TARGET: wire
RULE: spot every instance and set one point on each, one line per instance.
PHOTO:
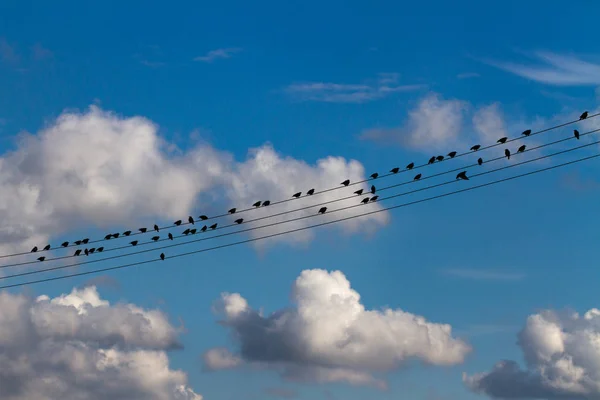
(320, 192)
(303, 228)
(291, 220)
(332, 201)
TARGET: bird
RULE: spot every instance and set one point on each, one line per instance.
(193, 231)
(431, 160)
(502, 140)
(34, 249)
(365, 200)
(170, 236)
(476, 147)
(410, 166)
(507, 153)
(156, 228)
(213, 226)
(374, 175)
(42, 258)
(374, 198)
(583, 116)
(186, 232)
(373, 189)
(65, 244)
(85, 241)
(127, 233)
(77, 252)
(462, 175)
(178, 222)
(322, 210)
(417, 177)
(134, 243)
(480, 161)
(266, 203)
(162, 256)
(239, 220)
(203, 217)
(116, 235)
(100, 249)
(310, 192)
(521, 149)
(92, 250)
(87, 252)
(452, 154)
(143, 230)
(296, 195)
(576, 133)
(440, 158)
(232, 211)
(155, 238)
(527, 132)
(47, 247)
(359, 192)
(346, 182)
(191, 220)
(395, 170)
(78, 242)
(204, 228)
(257, 204)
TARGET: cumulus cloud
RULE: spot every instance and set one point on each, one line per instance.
(561, 357)
(489, 122)
(78, 346)
(97, 168)
(329, 336)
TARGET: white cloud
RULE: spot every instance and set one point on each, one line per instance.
(329, 336)
(561, 354)
(78, 346)
(479, 274)
(488, 121)
(218, 54)
(557, 69)
(466, 75)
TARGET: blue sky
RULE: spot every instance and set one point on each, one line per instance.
(310, 80)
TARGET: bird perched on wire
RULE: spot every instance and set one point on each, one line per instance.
(527, 132)
(462, 175)
(296, 195)
(576, 133)
(440, 158)
(34, 249)
(170, 236)
(365, 200)
(417, 177)
(257, 204)
(507, 153)
(374, 198)
(583, 116)
(266, 203)
(65, 244)
(203, 217)
(480, 161)
(77, 252)
(47, 247)
(310, 192)
(521, 149)
(359, 192)
(156, 228)
(127, 233)
(374, 175)
(373, 189)
(502, 140)
(239, 220)
(322, 210)
(232, 211)
(42, 258)
(395, 170)
(213, 226)
(191, 220)
(186, 232)
(476, 147)
(410, 166)
(431, 160)
(155, 238)
(346, 182)
(134, 243)
(143, 230)
(452, 154)
(162, 256)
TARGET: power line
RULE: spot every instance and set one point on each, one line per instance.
(322, 191)
(297, 219)
(327, 202)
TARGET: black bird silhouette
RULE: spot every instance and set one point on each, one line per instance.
(431, 160)
(476, 147)
(203, 217)
(365, 200)
(521, 149)
(85, 241)
(213, 226)
(257, 204)
(65, 244)
(232, 211)
(178, 222)
(100, 249)
(162, 256)
(116, 235)
(296, 195)
(47, 247)
(34, 249)
(322, 210)
(375, 175)
(507, 153)
(584, 115)
(92, 250)
(193, 231)
(440, 158)
(576, 133)
(239, 220)
(191, 220)
(41, 258)
(395, 170)
(204, 228)
(373, 189)
(87, 252)
(311, 192)
(77, 252)
(134, 243)
(502, 140)
(359, 192)
(143, 230)
(527, 132)
(266, 203)
(374, 198)
(480, 161)
(170, 236)
(156, 228)
(417, 177)
(186, 232)
(127, 233)
(462, 175)
(78, 242)
(410, 166)
(155, 238)
(346, 182)
(452, 154)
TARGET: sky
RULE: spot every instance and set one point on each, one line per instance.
(117, 116)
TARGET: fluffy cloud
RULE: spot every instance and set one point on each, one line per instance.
(488, 121)
(329, 336)
(102, 169)
(562, 354)
(78, 346)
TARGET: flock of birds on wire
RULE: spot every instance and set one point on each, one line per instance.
(460, 176)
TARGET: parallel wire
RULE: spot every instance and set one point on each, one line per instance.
(319, 192)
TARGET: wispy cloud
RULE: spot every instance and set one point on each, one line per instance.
(329, 92)
(466, 75)
(554, 69)
(218, 53)
(483, 275)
